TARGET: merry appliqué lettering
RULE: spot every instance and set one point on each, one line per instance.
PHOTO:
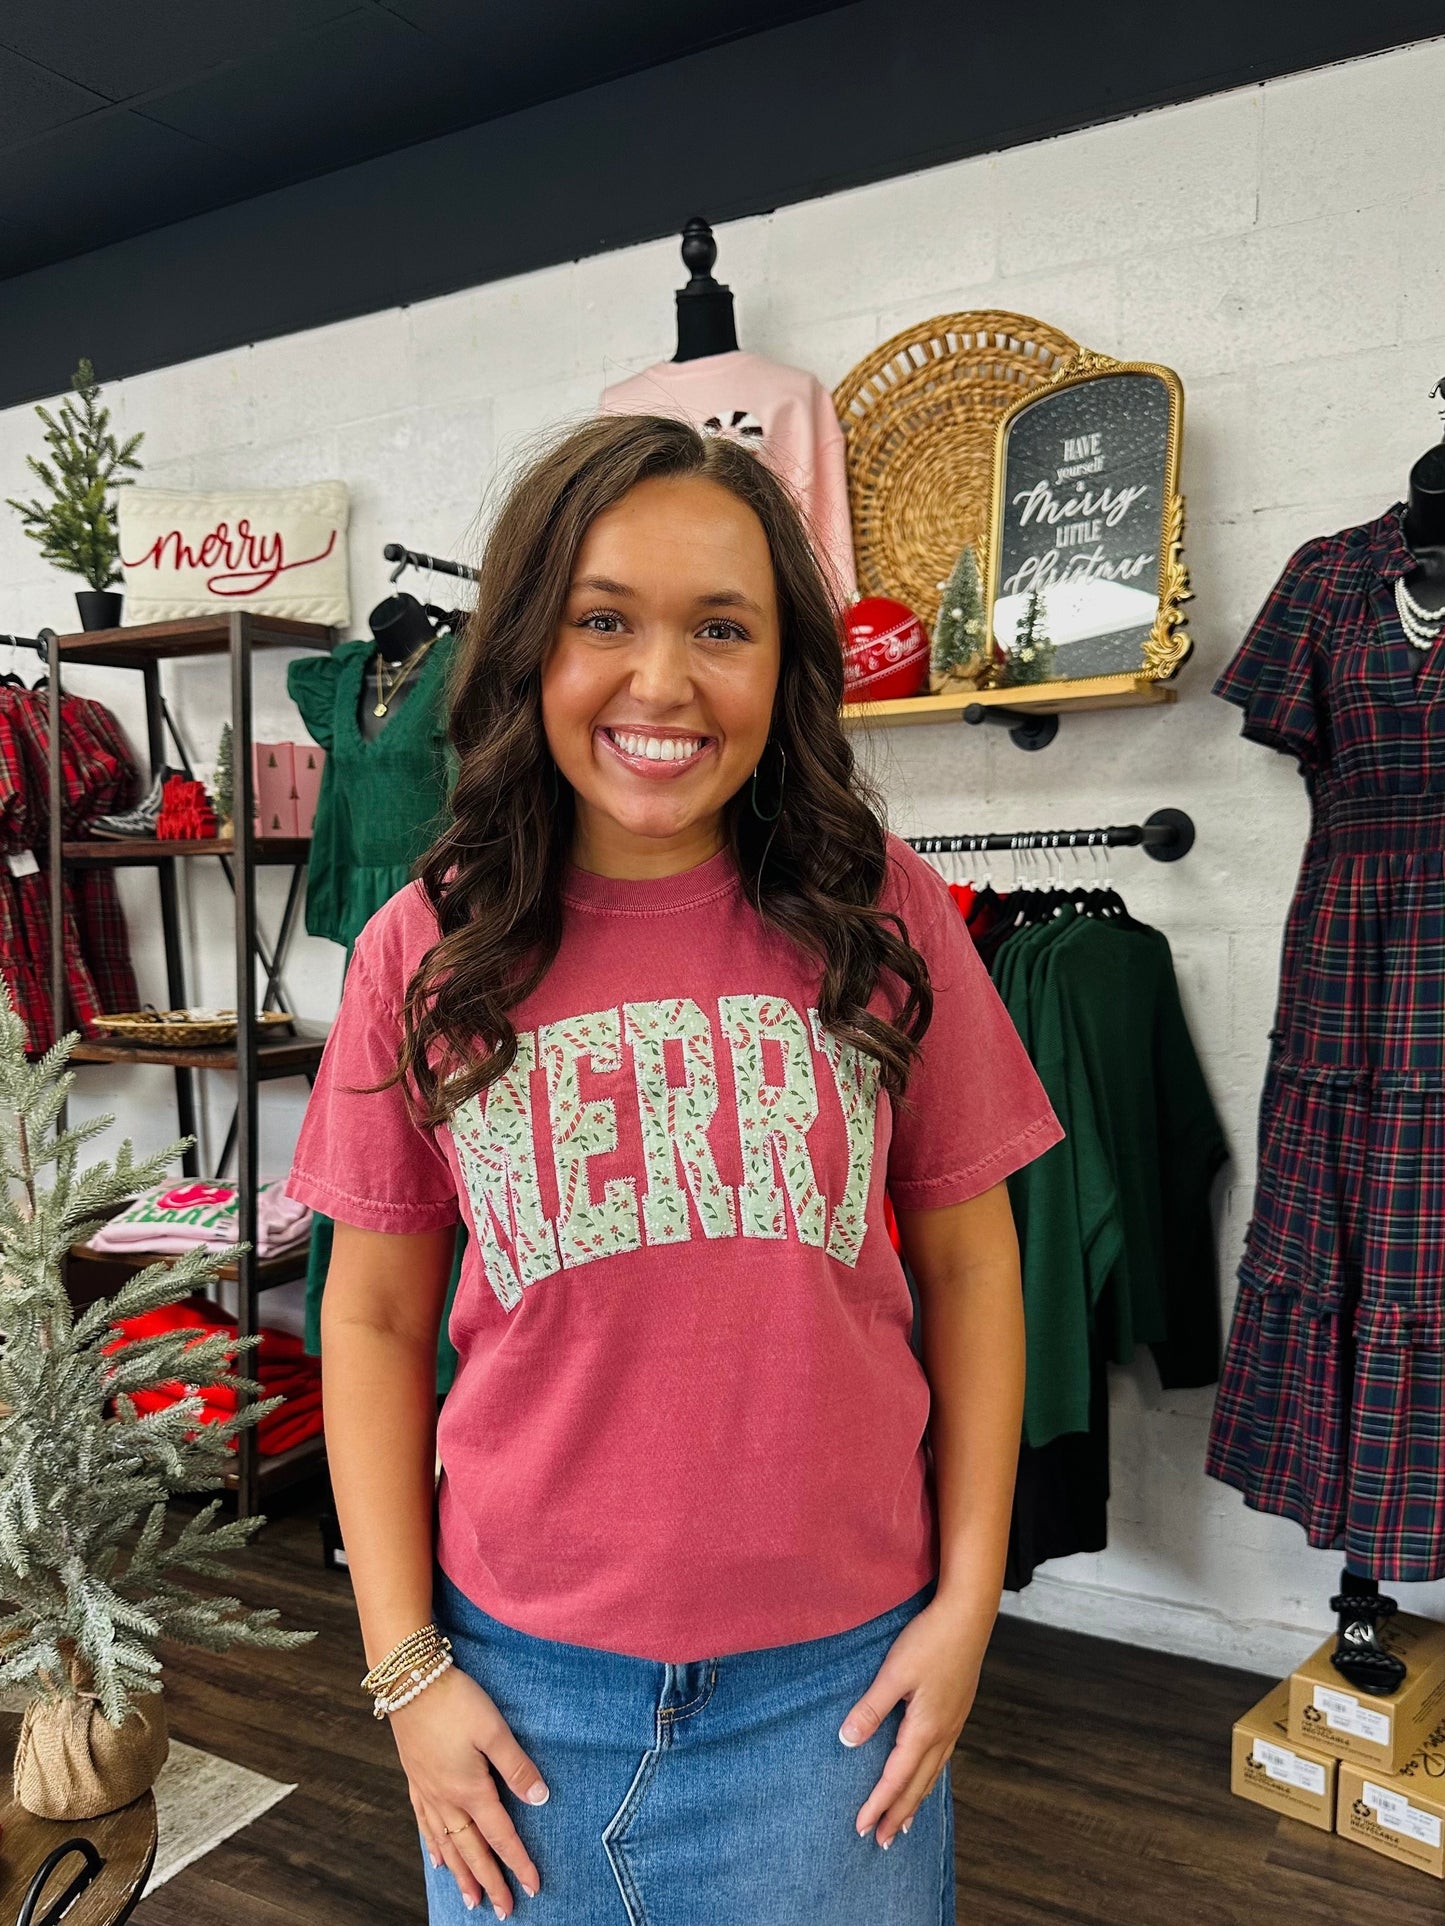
(519, 1244)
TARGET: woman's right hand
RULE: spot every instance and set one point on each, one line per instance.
(451, 1737)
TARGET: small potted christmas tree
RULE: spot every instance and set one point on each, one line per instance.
(92, 1571)
(76, 529)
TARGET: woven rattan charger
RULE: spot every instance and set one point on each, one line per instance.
(919, 416)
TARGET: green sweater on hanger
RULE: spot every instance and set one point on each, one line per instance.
(382, 801)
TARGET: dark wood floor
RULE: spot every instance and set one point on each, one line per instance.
(1092, 1788)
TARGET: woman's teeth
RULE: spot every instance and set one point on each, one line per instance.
(657, 748)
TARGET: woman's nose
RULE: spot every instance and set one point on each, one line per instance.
(661, 673)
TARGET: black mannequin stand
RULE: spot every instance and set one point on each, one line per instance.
(705, 323)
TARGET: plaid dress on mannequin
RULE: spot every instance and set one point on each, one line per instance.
(1331, 1407)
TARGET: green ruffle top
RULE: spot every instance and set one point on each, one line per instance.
(382, 801)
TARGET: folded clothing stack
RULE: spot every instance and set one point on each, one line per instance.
(178, 1217)
(279, 1361)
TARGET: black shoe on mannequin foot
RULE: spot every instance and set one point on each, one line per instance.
(1359, 1655)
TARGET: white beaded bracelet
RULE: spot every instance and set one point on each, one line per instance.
(381, 1706)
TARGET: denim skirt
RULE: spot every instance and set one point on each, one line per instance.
(715, 1793)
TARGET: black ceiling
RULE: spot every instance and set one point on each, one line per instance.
(181, 176)
(121, 118)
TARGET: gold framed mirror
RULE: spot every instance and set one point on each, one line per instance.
(1083, 573)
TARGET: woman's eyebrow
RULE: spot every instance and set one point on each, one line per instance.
(715, 599)
(728, 599)
(603, 584)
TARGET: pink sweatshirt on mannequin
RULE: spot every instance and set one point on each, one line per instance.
(786, 414)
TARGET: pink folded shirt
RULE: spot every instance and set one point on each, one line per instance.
(177, 1217)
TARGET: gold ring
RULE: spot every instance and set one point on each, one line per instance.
(461, 1828)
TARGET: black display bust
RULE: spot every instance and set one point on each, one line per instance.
(1424, 526)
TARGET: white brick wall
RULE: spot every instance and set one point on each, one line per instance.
(1281, 247)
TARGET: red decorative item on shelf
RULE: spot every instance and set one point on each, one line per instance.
(885, 651)
(186, 812)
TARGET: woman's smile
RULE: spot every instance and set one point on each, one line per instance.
(655, 754)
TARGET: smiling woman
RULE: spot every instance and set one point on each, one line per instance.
(657, 694)
(663, 1017)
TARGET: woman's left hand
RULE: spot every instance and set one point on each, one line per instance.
(933, 1665)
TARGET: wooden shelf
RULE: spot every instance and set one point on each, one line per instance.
(275, 1056)
(285, 1468)
(151, 642)
(1048, 698)
(146, 849)
(289, 1268)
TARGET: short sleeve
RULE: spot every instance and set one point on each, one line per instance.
(1272, 677)
(311, 684)
(974, 1110)
(359, 1156)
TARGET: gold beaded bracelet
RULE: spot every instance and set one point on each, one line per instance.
(407, 1669)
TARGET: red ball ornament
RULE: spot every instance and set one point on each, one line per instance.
(885, 651)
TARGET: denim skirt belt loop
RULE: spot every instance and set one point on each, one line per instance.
(712, 1793)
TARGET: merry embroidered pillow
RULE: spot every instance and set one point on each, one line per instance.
(272, 551)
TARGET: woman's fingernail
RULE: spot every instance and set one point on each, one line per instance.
(530, 1891)
(885, 1843)
(497, 1910)
(907, 1823)
(538, 1795)
(848, 1734)
(469, 1903)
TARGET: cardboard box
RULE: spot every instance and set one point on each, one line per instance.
(309, 761)
(1326, 1713)
(273, 785)
(1270, 1769)
(1399, 1814)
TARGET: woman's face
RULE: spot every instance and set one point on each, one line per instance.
(657, 692)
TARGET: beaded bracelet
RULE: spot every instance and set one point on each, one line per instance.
(421, 1680)
(407, 1669)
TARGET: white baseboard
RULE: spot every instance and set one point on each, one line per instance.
(1163, 1625)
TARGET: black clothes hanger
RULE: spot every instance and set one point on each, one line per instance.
(705, 323)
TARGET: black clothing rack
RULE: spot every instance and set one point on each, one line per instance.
(1165, 836)
(406, 558)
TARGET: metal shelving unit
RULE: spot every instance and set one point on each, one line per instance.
(253, 1059)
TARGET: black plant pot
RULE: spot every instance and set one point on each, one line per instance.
(99, 608)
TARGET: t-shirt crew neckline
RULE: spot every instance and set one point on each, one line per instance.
(646, 895)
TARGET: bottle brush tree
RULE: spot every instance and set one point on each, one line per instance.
(225, 774)
(958, 634)
(76, 528)
(1031, 655)
(93, 1572)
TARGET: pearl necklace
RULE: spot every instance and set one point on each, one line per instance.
(1422, 626)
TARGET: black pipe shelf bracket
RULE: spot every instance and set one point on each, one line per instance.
(1027, 728)
(1165, 836)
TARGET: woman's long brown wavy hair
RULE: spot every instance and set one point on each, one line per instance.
(493, 876)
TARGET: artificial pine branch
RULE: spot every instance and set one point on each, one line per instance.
(76, 529)
(89, 1581)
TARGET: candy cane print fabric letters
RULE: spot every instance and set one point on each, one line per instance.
(779, 1058)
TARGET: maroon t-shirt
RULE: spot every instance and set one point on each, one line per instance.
(687, 1418)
